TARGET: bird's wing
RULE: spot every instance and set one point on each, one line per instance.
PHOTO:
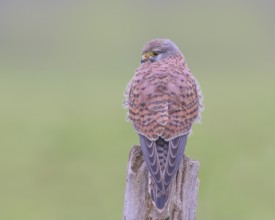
(184, 102)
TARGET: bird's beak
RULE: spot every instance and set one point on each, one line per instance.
(145, 57)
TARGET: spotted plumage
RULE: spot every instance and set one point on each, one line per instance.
(163, 100)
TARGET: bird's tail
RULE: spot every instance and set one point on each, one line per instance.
(159, 198)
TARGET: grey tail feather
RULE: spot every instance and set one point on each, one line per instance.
(162, 159)
(159, 199)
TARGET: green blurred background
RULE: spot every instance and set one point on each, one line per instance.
(64, 141)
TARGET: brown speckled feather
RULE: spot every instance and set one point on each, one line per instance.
(163, 100)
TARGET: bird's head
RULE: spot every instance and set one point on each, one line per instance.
(158, 49)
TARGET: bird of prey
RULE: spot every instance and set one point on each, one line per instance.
(163, 100)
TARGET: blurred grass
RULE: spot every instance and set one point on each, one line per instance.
(64, 141)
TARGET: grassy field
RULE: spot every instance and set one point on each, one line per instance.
(64, 140)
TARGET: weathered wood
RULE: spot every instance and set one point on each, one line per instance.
(183, 196)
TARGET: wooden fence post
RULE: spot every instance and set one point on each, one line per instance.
(183, 197)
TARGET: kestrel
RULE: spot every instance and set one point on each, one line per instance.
(163, 100)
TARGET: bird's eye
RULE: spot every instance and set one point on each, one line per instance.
(154, 53)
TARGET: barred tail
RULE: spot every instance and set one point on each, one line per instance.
(163, 160)
(159, 199)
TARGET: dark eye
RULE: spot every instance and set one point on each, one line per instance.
(155, 53)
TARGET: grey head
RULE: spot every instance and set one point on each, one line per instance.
(158, 49)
